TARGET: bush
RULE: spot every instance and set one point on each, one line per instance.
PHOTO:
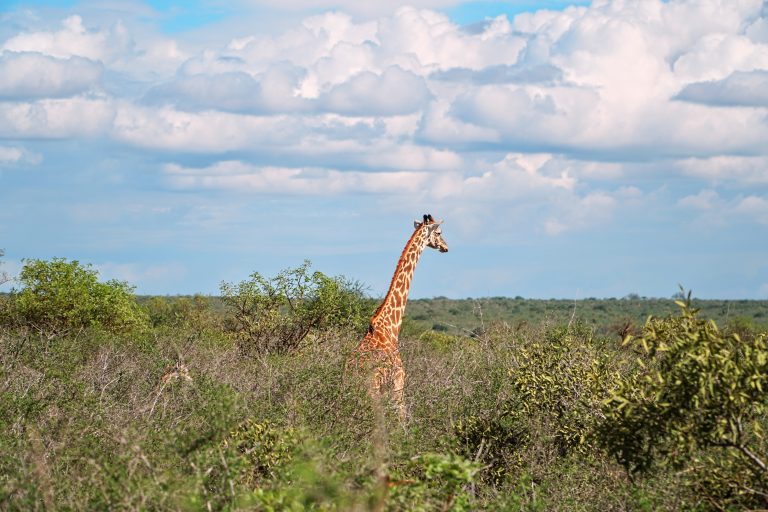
(192, 311)
(698, 390)
(263, 448)
(4, 277)
(275, 315)
(563, 380)
(496, 440)
(434, 481)
(61, 296)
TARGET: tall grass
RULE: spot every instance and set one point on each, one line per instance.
(175, 417)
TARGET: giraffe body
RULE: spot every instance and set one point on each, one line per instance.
(378, 351)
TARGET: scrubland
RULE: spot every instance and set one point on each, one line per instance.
(244, 401)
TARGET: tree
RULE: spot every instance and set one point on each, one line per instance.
(4, 277)
(276, 314)
(59, 296)
(698, 390)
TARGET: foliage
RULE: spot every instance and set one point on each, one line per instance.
(607, 317)
(262, 447)
(195, 312)
(563, 379)
(496, 440)
(274, 315)
(438, 339)
(60, 296)
(698, 390)
(434, 481)
(502, 420)
(4, 277)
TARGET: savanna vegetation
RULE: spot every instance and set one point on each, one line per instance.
(242, 402)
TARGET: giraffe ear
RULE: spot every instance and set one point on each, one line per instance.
(416, 224)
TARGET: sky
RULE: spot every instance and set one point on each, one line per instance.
(573, 149)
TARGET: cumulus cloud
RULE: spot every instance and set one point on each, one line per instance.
(728, 168)
(394, 92)
(542, 73)
(594, 208)
(514, 187)
(235, 175)
(140, 274)
(754, 207)
(717, 209)
(704, 200)
(207, 131)
(31, 75)
(13, 155)
(343, 102)
(57, 118)
(739, 89)
(367, 9)
(233, 91)
(73, 39)
(555, 81)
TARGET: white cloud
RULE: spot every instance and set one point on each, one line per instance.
(606, 106)
(704, 200)
(73, 39)
(717, 55)
(394, 92)
(233, 91)
(140, 274)
(10, 155)
(204, 132)
(366, 9)
(439, 126)
(555, 81)
(739, 89)
(234, 175)
(429, 41)
(739, 169)
(13, 155)
(587, 211)
(31, 75)
(753, 207)
(716, 209)
(56, 118)
(534, 189)
(591, 88)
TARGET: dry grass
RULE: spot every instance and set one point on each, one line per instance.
(100, 421)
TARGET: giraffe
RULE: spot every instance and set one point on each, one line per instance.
(378, 351)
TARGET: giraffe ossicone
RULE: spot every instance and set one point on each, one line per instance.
(378, 352)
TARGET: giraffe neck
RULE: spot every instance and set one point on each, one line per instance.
(390, 313)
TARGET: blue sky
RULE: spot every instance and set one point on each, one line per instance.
(574, 149)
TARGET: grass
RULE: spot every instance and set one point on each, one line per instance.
(97, 421)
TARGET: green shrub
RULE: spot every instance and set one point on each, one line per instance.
(194, 312)
(60, 296)
(439, 339)
(275, 315)
(4, 277)
(433, 481)
(700, 395)
(496, 440)
(262, 448)
(563, 380)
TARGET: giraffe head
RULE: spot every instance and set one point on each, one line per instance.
(434, 233)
